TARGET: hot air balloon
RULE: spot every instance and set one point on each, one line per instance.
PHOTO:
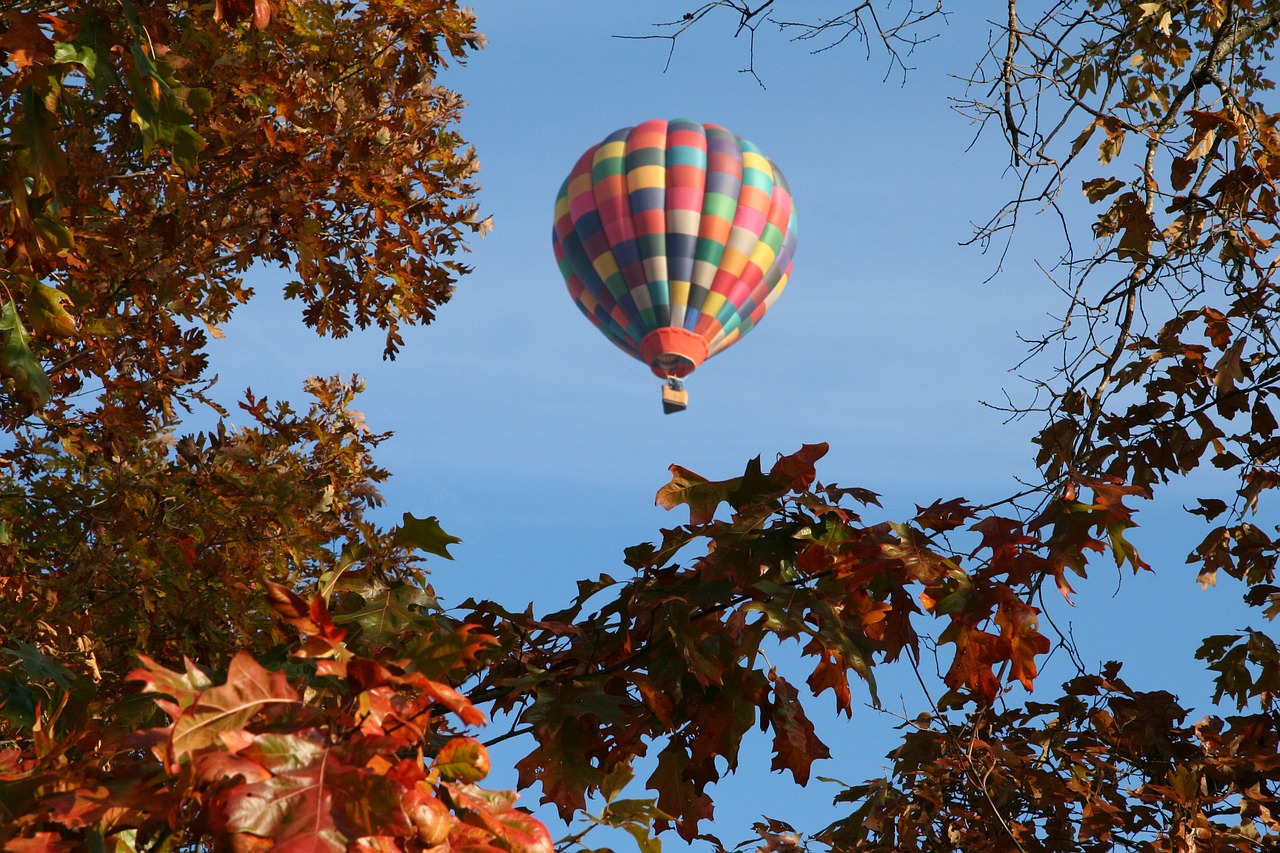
(674, 238)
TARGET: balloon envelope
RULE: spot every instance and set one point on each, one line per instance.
(674, 238)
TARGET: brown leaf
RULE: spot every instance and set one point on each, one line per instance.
(23, 39)
(1110, 146)
(701, 495)
(795, 742)
(292, 608)
(42, 842)
(1229, 370)
(1217, 327)
(1099, 188)
(1181, 171)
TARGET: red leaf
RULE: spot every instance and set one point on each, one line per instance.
(249, 689)
(463, 759)
(941, 516)
(311, 619)
(215, 767)
(293, 808)
(831, 674)
(367, 674)
(796, 471)
(1020, 626)
(1004, 537)
(676, 794)
(292, 608)
(515, 830)
(455, 702)
(976, 651)
(183, 686)
(429, 817)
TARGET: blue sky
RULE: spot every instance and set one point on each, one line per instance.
(541, 445)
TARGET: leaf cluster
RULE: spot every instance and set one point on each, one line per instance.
(333, 751)
(675, 667)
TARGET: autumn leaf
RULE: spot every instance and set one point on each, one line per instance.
(796, 472)
(698, 493)
(676, 796)
(425, 534)
(795, 742)
(248, 690)
(462, 759)
(48, 312)
(310, 618)
(1096, 189)
(185, 686)
(42, 842)
(430, 818)
(294, 808)
(942, 516)
(368, 805)
(1229, 370)
(515, 831)
(976, 653)
(1110, 147)
(1019, 626)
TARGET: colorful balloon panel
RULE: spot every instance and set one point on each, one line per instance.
(674, 239)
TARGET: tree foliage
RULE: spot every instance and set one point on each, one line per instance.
(154, 152)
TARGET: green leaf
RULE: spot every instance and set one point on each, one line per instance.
(16, 359)
(199, 100)
(80, 54)
(645, 840)
(38, 666)
(387, 610)
(186, 147)
(425, 534)
(34, 131)
(20, 701)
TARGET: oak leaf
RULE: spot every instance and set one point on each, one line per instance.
(248, 690)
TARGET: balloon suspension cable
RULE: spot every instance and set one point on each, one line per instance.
(674, 397)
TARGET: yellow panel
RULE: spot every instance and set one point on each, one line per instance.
(752, 160)
(580, 185)
(763, 256)
(647, 177)
(679, 294)
(617, 148)
(733, 261)
(605, 265)
(713, 303)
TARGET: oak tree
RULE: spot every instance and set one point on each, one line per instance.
(1161, 115)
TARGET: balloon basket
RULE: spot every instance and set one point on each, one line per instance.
(674, 397)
